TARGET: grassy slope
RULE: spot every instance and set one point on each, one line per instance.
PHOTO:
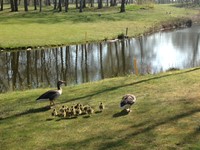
(166, 115)
(23, 29)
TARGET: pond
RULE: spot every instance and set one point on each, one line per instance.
(89, 62)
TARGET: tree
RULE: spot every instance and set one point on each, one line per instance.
(123, 6)
(112, 3)
(84, 3)
(35, 4)
(14, 5)
(25, 5)
(40, 5)
(1, 5)
(66, 5)
(92, 3)
(100, 4)
(59, 5)
(76, 4)
(81, 6)
(55, 4)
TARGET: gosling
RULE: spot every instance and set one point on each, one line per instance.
(54, 113)
(90, 111)
(101, 107)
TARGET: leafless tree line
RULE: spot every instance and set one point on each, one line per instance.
(74, 64)
(59, 5)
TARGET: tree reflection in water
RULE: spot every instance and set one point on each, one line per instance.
(77, 64)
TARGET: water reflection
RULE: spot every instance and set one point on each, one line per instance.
(85, 63)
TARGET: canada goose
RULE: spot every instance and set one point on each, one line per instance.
(127, 101)
(101, 107)
(62, 109)
(51, 95)
(54, 113)
(90, 110)
(78, 111)
(73, 112)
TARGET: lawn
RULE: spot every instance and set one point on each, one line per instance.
(165, 116)
(49, 28)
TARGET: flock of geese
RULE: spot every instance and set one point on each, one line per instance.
(75, 110)
(126, 102)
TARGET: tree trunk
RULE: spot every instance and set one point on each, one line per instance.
(60, 5)
(100, 5)
(66, 5)
(112, 3)
(76, 65)
(122, 6)
(48, 3)
(84, 3)
(28, 70)
(1, 5)
(81, 6)
(92, 3)
(55, 4)
(15, 67)
(115, 2)
(76, 4)
(101, 61)
(12, 5)
(25, 5)
(16, 5)
(35, 4)
(40, 5)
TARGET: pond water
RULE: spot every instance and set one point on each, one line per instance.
(77, 64)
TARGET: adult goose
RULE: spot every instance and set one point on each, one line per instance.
(51, 95)
(127, 101)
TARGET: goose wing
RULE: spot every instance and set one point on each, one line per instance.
(49, 95)
(127, 99)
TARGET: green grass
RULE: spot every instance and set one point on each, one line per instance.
(50, 28)
(166, 115)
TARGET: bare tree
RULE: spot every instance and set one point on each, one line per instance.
(66, 5)
(123, 6)
(1, 5)
(92, 3)
(40, 5)
(100, 4)
(101, 60)
(25, 5)
(55, 4)
(28, 68)
(76, 4)
(60, 5)
(35, 4)
(14, 5)
(81, 6)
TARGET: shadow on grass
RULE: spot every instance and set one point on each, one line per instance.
(192, 138)
(30, 111)
(150, 127)
(117, 140)
(121, 113)
(131, 84)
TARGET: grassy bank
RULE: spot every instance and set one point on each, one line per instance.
(48, 28)
(166, 115)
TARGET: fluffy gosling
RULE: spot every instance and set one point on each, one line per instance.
(78, 111)
(101, 107)
(54, 113)
(90, 111)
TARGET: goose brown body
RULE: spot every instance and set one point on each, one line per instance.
(51, 95)
(127, 101)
